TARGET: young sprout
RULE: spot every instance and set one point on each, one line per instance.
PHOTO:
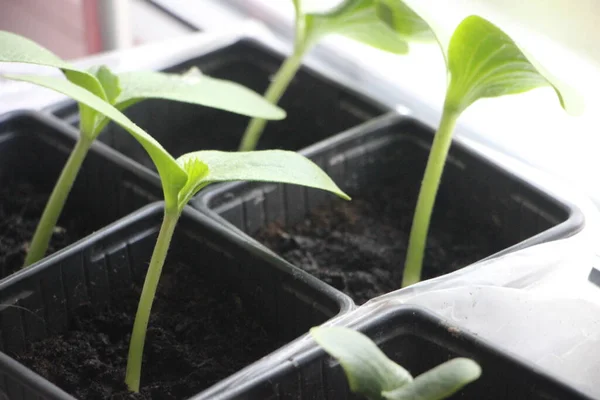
(482, 62)
(355, 19)
(121, 91)
(181, 179)
(203, 168)
(372, 374)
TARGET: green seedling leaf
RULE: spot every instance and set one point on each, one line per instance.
(357, 20)
(206, 167)
(195, 88)
(110, 83)
(17, 49)
(369, 371)
(397, 15)
(203, 168)
(483, 61)
(438, 383)
(172, 176)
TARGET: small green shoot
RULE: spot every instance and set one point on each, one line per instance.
(203, 168)
(372, 374)
(355, 19)
(482, 62)
(120, 91)
(181, 179)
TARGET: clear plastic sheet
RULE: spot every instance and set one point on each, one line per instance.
(537, 303)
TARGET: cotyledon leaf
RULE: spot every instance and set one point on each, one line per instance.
(357, 20)
(194, 88)
(438, 383)
(110, 83)
(483, 61)
(404, 20)
(369, 371)
(18, 49)
(172, 175)
(196, 171)
(266, 166)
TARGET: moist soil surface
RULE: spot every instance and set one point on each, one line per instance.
(21, 207)
(199, 333)
(359, 247)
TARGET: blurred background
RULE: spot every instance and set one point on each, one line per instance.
(75, 28)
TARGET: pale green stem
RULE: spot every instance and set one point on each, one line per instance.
(56, 202)
(277, 88)
(138, 335)
(427, 195)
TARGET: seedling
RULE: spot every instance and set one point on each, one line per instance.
(181, 179)
(482, 61)
(355, 19)
(372, 374)
(201, 169)
(121, 91)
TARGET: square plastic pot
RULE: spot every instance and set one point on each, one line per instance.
(34, 149)
(419, 341)
(514, 210)
(42, 300)
(316, 106)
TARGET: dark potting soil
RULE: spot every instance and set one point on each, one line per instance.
(198, 334)
(21, 207)
(359, 247)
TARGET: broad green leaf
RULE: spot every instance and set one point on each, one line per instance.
(212, 166)
(358, 20)
(483, 61)
(16, 48)
(438, 383)
(397, 15)
(369, 371)
(110, 83)
(172, 176)
(194, 88)
(196, 171)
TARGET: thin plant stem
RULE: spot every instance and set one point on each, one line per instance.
(56, 202)
(138, 335)
(426, 200)
(280, 83)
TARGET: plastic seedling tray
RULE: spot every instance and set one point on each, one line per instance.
(218, 295)
(419, 341)
(482, 209)
(33, 151)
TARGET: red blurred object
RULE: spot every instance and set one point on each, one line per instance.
(92, 27)
(67, 27)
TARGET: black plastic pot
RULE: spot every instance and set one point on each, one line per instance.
(478, 192)
(419, 341)
(95, 273)
(33, 151)
(316, 107)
